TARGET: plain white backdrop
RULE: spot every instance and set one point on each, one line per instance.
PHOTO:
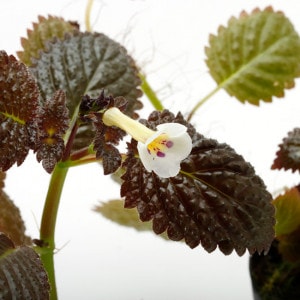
(97, 259)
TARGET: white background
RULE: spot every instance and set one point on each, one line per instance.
(101, 260)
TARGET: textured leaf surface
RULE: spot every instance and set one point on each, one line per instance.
(11, 222)
(216, 200)
(256, 56)
(18, 110)
(22, 275)
(53, 123)
(288, 156)
(44, 30)
(84, 64)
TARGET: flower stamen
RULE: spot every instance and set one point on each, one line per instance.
(160, 145)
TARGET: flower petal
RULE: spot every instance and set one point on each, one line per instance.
(165, 149)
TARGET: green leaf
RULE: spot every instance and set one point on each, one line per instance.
(87, 64)
(18, 111)
(11, 222)
(216, 199)
(46, 29)
(114, 210)
(288, 156)
(287, 211)
(53, 123)
(22, 275)
(256, 56)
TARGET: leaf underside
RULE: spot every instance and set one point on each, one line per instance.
(288, 155)
(256, 56)
(86, 64)
(287, 226)
(216, 199)
(22, 275)
(287, 211)
(114, 210)
(18, 111)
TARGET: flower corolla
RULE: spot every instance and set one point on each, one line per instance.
(160, 151)
(163, 152)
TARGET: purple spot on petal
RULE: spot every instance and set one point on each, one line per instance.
(160, 154)
(169, 144)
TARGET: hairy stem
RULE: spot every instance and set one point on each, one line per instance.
(48, 223)
(149, 92)
(202, 101)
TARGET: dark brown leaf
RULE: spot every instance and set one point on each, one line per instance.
(216, 199)
(18, 110)
(106, 137)
(87, 64)
(53, 123)
(22, 275)
(288, 156)
(11, 222)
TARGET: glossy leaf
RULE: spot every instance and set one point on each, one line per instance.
(288, 156)
(18, 110)
(114, 210)
(22, 275)
(53, 123)
(44, 30)
(84, 64)
(215, 200)
(256, 56)
(11, 222)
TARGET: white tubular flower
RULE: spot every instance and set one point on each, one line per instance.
(163, 152)
(160, 151)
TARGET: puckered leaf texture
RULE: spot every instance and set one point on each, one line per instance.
(256, 56)
(53, 123)
(18, 110)
(85, 64)
(215, 200)
(288, 155)
(22, 275)
(44, 30)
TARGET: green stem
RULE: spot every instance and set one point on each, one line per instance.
(202, 101)
(149, 92)
(48, 223)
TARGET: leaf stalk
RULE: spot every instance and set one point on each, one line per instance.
(149, 92)
(202, 101)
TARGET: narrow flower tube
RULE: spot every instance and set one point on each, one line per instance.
(160, 151)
